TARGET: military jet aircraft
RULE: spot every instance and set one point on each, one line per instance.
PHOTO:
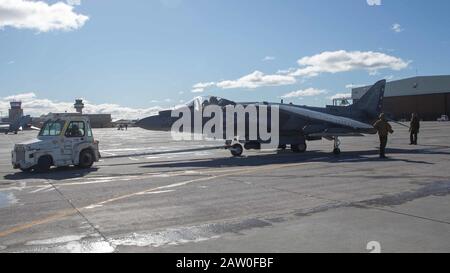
(15, 126)
(297, 124)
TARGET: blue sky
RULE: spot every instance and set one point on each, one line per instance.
(135, 56)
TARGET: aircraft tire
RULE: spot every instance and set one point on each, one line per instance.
(337, 151)
(237, 150)
(299, 148)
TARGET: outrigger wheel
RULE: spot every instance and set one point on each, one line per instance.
(237, 150)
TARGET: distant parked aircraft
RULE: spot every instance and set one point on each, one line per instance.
(23, 122)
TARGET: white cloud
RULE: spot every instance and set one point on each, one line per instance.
(74, 2)
(20, 97)
(35, 106)
(344, 61)
(269, 58)
(374, 2)
(39, 15)
(200, 87)
(351, 86)
(340, 96)
(251, 81)
(257, 79)
(287, 71)
(397, 28)
(310, 92)
(312, 66)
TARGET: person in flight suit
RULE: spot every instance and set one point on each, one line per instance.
(384, 129)
(414, 128)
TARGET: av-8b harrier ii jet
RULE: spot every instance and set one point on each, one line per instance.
(297, 124)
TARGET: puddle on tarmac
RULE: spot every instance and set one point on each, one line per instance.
(185, 235)
(57, 240)
(69, 244)
(7, 199)
(172, 236)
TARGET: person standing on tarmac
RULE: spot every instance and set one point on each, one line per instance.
(384, 128)
(414, 128)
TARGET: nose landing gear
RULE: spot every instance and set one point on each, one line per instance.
(236, 150)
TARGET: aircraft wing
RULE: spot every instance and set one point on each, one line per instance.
(312, 115)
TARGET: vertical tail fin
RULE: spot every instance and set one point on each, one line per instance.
(22, 122)
(372, 102)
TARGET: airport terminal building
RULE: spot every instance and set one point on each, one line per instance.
(428, 96)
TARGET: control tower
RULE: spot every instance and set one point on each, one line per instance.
(79, 105)
(16, 111)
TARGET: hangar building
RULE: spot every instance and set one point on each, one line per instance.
(428, 96)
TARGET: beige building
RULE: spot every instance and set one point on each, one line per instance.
(427, 96)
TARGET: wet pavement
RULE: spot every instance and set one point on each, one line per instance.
(207, 201)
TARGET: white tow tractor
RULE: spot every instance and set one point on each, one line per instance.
(64, 140)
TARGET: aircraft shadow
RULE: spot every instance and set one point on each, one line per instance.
(280, 157)
(61, 173)
(286, 157)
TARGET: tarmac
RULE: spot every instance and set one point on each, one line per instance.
(207, 201)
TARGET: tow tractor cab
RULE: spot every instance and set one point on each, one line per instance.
(64, 140)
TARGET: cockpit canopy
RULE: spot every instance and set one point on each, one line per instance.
(209, 100)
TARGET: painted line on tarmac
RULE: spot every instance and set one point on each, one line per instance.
(71, 212)
(112, 179)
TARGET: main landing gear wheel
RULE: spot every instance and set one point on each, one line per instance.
(299, 148)
(237, 150)
(336, 149)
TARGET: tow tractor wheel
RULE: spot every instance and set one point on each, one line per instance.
(86, 159)
(299, 148)
(337, 151)
(237, 150)
(44, 163)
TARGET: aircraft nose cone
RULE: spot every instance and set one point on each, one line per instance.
(154, 123)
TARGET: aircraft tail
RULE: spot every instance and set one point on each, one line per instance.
(372, 102)
(22, 122)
